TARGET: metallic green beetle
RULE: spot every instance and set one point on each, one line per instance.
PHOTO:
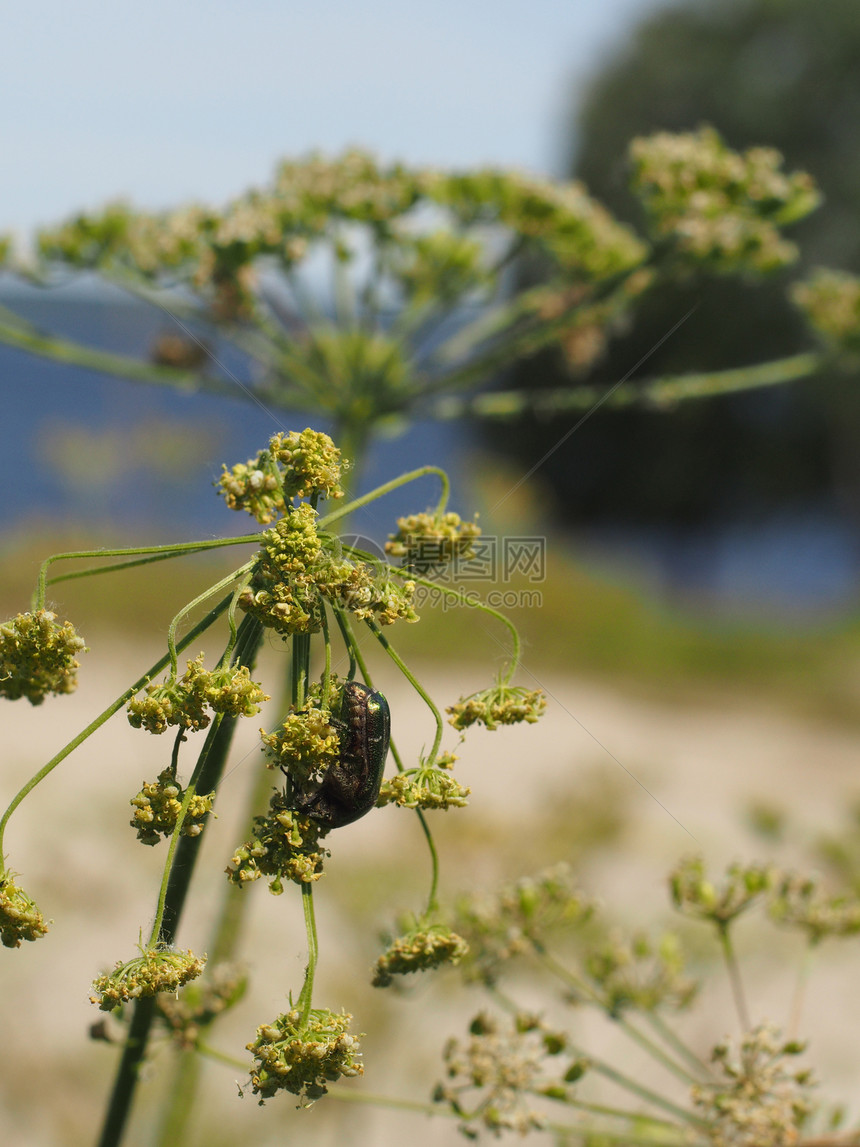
(350, 787)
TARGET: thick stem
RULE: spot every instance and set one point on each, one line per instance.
(178, 884)
(178, 1108)
(127, 1073)
(191, 789)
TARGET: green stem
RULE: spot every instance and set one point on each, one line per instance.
(672, 1038)
(386, 488)
(800, 991)
(398, 760)
(349, 641)
(326, 681)
(612, 1074)
(416, 685)
(127, 1073)
(212, 1053)
(190, 792)
(306, 995)
(644, 1093)
(352, 645)
(95, 724)
(201, 597)
(300, 668)
(432, 899)
(107, 362)
(227, 655)
(471, 602)
(579, 985)
(580, 1132)
(659, 392)
(605, 1109)
(734, 972)
(164, 552)
(178, 1108)
(117, 567)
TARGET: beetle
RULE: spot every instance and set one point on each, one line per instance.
(350, 787)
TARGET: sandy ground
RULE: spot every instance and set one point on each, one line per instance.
(683, 774)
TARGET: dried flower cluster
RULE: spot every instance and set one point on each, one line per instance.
(636, 973)
(189, 1013)
(500, 927)
(493, 1077)
(760, 1101)
(694, 895)
(798, 902)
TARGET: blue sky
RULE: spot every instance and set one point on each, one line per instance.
(173, 100)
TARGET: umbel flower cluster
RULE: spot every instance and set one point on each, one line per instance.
(296, 574)
(418, 950)
(495, 1075)
(293, 465)
(759, 1099)
(501, 705)
(425, 541)
(424, 243)
(20, 919)
(284, 845)
(830, 300)
(157, 807)
(38, 656)
(184, 702)
(718, 207)
(216, 252)
(330, 749)
(303, 1054)
(155, 970)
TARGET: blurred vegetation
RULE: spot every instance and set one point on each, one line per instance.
(780, 73)
(610, 629)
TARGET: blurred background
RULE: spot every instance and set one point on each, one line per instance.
(699, 617)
